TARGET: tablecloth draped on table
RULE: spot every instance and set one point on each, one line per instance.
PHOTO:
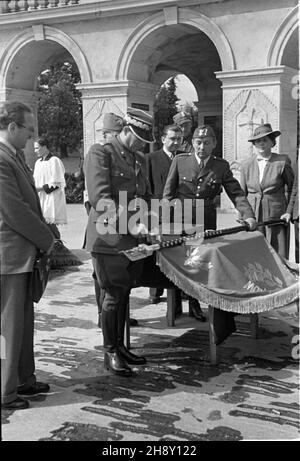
(238, 273)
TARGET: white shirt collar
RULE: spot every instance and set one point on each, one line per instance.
(260, 157)
(169, 154)
(8, 144)
(204, 160)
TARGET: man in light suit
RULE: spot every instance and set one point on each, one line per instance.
(22, 232)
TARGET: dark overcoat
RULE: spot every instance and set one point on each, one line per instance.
(22, 227)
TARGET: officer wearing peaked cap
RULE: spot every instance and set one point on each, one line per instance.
(200, 175)
(117, 166)
(185, 122)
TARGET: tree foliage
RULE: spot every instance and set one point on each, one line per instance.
(164, 108)
(60, 107)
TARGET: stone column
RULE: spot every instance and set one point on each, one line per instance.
(31, 99)
(99, 98)
(253, 97)
(211, 107)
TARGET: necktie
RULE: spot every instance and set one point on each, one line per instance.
(20, 157)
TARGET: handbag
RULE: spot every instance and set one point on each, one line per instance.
(40, 275)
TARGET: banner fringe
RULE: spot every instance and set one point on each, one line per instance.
(251, 305)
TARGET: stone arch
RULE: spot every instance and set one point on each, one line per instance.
(41, 33)
(287, 28)
(185, 17)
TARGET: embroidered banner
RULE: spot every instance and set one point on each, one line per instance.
(236, 273)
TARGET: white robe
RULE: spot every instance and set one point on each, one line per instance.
(53, 205)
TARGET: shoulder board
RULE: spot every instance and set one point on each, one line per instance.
(220, 159)
(184, 154)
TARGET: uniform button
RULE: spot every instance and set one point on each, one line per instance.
(198, 187)
(200, 180)
(184, 177)
(121, 174)
(197, 195)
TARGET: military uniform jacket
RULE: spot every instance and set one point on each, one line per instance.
(110, 169)
(187, 180)
(267, 197)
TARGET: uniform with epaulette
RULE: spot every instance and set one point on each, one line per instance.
(116, 176)
(200, 175)
(187, 179)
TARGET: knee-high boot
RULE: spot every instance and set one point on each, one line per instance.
(123, 351)
(113, 361)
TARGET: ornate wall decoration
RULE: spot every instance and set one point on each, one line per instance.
(93, 118)
(248, 109)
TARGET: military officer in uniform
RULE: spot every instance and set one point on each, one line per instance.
(201, 175)
(117, 166)
(111, 126)
(185, 122)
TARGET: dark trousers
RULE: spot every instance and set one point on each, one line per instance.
(116, 275)
(17, 358)
(296, 229)
(99, 293)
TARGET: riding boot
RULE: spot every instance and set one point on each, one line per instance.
(130, 358)
(113, 361)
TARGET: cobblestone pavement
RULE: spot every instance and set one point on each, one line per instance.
(252, 394)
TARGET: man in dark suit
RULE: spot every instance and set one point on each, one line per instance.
(23, 231)
(200, 175)
(117, 185)
(158, 165)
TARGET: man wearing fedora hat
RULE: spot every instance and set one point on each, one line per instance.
(266, 177)
(200, 175)
(112, 169)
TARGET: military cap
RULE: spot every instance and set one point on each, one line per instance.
(140, 123)
(112, 121)
(204, 130)
(264, 130)
(181, 118)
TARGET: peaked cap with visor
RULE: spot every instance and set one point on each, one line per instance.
(140, 123)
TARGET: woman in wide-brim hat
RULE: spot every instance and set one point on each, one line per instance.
(265, 178)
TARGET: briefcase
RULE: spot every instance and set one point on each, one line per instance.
(40, 275)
